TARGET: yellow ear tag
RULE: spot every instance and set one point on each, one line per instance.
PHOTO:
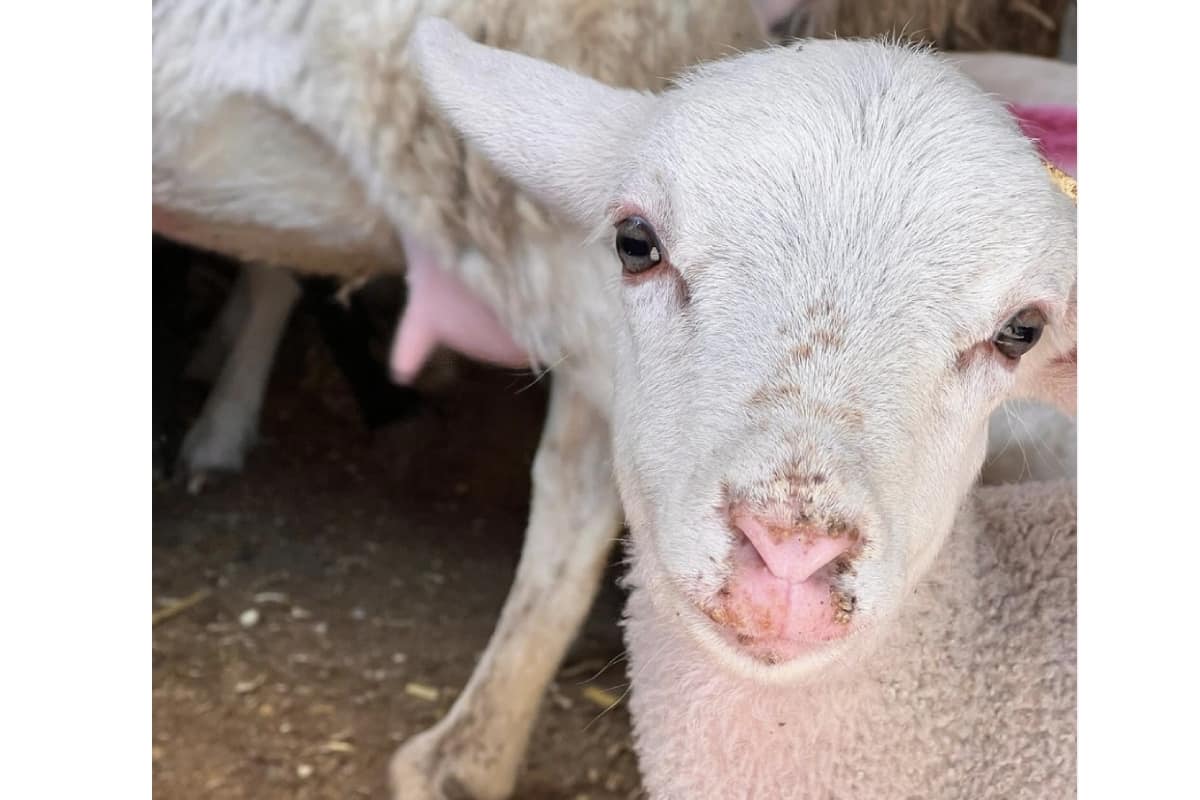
(1063, 181)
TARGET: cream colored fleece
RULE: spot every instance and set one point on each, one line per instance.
(970, 695)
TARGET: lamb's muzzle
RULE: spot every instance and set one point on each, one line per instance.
(787, 592)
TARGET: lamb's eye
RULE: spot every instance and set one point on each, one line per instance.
(1018, 336)
(637, 246)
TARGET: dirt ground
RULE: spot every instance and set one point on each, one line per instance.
(349, 580)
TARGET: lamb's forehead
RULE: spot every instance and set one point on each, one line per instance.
(841, 108)
(829, 150)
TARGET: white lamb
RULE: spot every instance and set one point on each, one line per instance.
(362, 174)
(833, 262)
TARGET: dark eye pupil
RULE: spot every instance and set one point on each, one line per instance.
(637, 245)
(635, 248)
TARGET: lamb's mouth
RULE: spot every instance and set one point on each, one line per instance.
(774, 620)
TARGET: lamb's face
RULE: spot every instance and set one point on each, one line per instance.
(833, 263)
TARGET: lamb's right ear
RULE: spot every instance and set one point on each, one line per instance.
(560, 136)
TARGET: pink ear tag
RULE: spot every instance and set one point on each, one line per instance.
(1053, 128)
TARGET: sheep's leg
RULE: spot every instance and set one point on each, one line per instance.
(207, 360)
(228, 424)
(476, 750)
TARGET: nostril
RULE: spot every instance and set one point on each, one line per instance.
(792, 553)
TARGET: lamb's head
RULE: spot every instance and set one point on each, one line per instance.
(833, 261)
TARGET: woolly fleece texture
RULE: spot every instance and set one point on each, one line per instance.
(971, 693)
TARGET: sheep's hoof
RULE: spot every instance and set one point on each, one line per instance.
(435, 765)
(216, 445)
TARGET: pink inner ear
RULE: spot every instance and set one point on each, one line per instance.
(1053, 127)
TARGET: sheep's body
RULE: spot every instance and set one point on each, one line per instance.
(295, 134)
(970, 692)
(1023, 79)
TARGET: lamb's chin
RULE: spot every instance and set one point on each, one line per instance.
(676, 609)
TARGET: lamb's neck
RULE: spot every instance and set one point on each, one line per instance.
(557, 297)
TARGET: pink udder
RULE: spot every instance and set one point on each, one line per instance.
(1053, 128)
(442, 311)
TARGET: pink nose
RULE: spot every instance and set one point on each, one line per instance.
(793, 554)
(780, 600)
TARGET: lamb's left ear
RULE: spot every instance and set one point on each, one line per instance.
(560, 136)
(1049, 372)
